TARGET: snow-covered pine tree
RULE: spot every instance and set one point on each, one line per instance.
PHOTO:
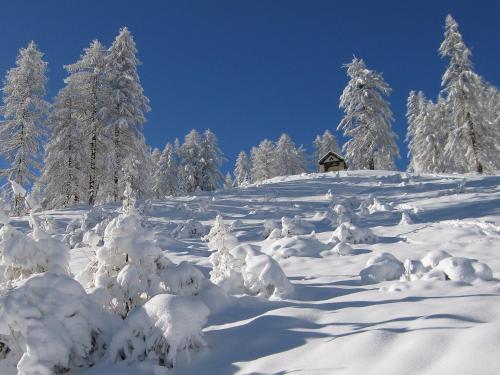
(412, 113)
(367, 120)
(156, 173)
(168, 169)
(211, 159)
(24, 113)
(228, 181)
(322, 145)
(125, 114)
(263, 161)
(471, 144)
(242, 168)
(190, 168)
(88, 75)
(63, 179)
(289, 160)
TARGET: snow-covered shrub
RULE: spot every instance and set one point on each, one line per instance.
(405, 219)
(244, 269)
(378, 206)
(269, 226)
(306, 245)
(183, 279)
(294, 226)
(381, 267)
(344, 249)
(22, 255)
(464, 269)
(161, 330)
(220, 236)
(432, 258)
(236, 224)
(50, 325)
(189, 229)
(329, 195)
(350, 233)
(338, 214)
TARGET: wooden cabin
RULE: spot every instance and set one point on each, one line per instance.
(332, 162)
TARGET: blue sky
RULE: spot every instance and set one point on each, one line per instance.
(251, 70)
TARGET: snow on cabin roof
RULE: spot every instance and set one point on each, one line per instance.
(330, 153)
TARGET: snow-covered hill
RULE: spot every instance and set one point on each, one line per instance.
(335, 322)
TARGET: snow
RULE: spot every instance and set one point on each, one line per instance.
(298, 303)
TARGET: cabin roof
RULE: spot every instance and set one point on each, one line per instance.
(330, 153)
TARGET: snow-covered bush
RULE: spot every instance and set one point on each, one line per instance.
(405, 219)
(350, 233)
(189, 229)
(432, 258)
(22, 255)
(50, 325)
(91, 228)
(161, 330)
(244, 269)
(220, 236)
(464, 269)
(378, 206)
(130, 267)
(338, 214)
(294, 226)
(305, 245)
(381, 267)
(344, 249)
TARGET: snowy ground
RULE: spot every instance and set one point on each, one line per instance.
(335, 324)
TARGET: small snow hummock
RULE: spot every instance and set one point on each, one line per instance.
(161, 330)
(382, 267)
(344, 249)
(305, 245)
(269, 226)
(294, 226)
(50, 325)
(350, 233)
(464, 269)
(190, 229)
(339, 213)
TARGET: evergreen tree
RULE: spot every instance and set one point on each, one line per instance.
(289, 160)
(190, 171)
(24, 113)
(168, 168)
(367, 120)
(242, 170)
(471, 144)
(63, 177)
(228, 181)
(263, 161)
(156, 173)
(125, 113)
(88, 77)
(322, 145)
(211, 160)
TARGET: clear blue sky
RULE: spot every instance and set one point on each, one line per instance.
(254, 69)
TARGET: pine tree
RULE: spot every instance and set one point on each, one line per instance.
(242, 170)
(168, 168)
(190, 170)
(228, 181)
(263, 161)
(471, 143)
(324, 144)
(211, 160)
(88, 76)
(367, 120)
(125, 113)
(156, 173)
(24, 112)
(63, 178)
(289, 160)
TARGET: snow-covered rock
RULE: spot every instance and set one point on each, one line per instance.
(161, 330)
(381, 267)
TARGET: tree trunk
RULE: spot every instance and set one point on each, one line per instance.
(372, 164)
(473, 140)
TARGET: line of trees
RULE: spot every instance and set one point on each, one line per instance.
(94, 146)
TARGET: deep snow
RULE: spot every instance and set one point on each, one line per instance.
(335, 323)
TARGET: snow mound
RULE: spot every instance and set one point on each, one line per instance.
(344, 249)
(161, 330)
(432, 258)
(269, 226)
(381, 267)
(464, 269)
(339, 213)
(350, 233)
(50, 325)
(303, 246)
(294, 226)
(190, 229)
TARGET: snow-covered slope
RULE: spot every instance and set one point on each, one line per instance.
(335, 323)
